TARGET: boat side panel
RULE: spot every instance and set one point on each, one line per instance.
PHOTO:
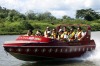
(50, 52)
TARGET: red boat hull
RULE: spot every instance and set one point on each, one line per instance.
(35, 51)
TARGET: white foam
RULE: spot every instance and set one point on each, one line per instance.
(93, 56)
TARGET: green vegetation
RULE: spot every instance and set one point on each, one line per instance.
(13, 22)
(87, 14)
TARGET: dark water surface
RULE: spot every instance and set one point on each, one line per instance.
(88, 59)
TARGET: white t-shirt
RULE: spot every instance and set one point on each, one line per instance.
(65, 36)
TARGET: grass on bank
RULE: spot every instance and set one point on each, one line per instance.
(14, 28)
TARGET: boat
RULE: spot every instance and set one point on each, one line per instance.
(38, 48)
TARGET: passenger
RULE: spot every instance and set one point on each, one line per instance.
(79, 34)
(54, 34)
(38, 33)
(29, 32)
(47, 32)
(72, 35)
(58, 28)
(66, 33)
(61, 35)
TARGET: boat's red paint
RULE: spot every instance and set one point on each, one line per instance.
(35, 38)
(34, 48)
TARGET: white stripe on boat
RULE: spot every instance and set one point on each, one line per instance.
(13, 42)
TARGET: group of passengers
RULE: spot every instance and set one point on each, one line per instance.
(64, 34)
(61, 34)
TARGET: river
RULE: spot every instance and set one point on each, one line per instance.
(91, 58)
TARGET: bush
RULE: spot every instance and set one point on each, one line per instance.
(25, 25)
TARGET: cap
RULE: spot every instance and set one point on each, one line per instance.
(60, 30)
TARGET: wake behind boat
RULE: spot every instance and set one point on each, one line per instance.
(37, 48)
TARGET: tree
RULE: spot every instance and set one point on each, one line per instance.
(87, 14)
(45, 16)
(13, 15)
(3, 12)
(65, 17)
(31, 15)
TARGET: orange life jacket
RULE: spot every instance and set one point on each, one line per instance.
(54, 35)
(79, 35)
(72, 36)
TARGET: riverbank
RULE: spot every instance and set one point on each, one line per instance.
(21, 27)
(13, 22)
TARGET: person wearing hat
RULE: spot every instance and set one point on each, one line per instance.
(61, 35)
(66, 33)
(72, 35)
(47, 32)
(79, 34)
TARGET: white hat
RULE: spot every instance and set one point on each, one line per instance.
(60, 30)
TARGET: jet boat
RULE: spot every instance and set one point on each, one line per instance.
(38, 48)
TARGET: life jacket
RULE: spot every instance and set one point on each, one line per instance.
(79, 35)
(54, 35)
(65, 33)
(61, 36)
(72, 36)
